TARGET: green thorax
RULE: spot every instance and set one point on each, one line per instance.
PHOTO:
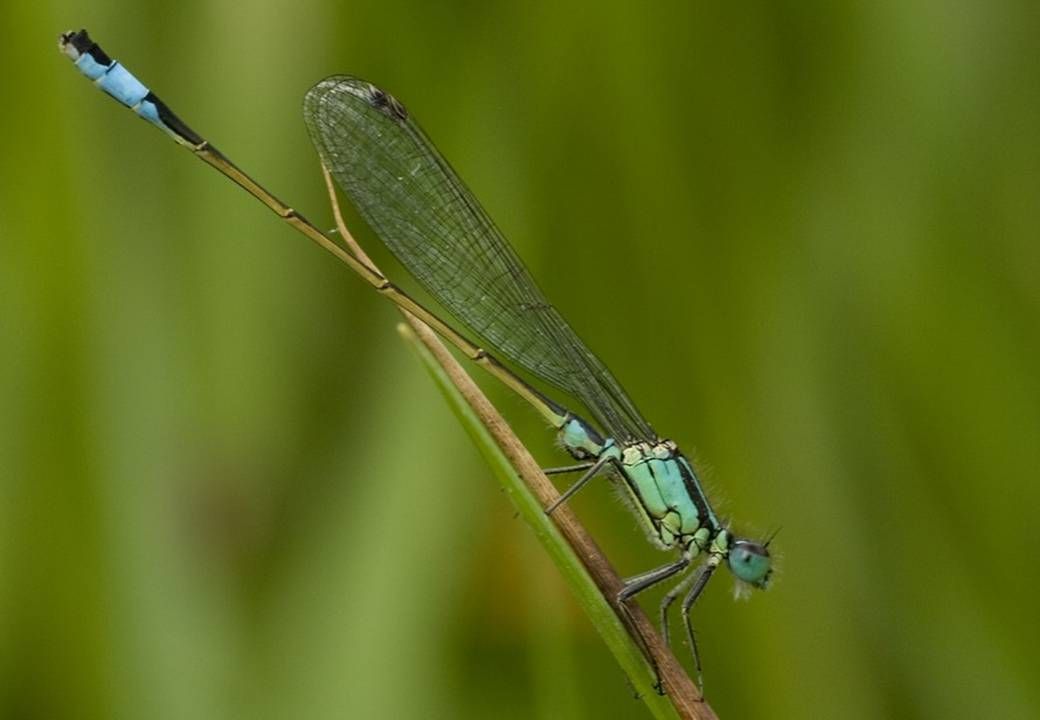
(660, 482)
(666, 489)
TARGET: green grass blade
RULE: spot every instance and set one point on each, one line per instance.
(599, 611)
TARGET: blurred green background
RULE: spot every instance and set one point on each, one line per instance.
(229, 491)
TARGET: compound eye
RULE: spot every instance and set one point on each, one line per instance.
(750, 562)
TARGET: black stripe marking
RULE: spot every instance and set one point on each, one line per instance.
(172, 121)
(704, 514)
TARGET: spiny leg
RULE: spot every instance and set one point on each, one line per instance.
(638, 584)
(592, 470)
(666, 603)
(700, 580)
(568, 468)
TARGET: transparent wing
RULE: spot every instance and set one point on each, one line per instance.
(431, 222)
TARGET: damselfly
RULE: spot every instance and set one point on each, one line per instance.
(419, 207)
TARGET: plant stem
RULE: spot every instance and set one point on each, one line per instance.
(630, 635)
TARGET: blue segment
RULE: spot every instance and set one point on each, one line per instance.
(580, 440)
(117, 81)
(120, 83)
(90, 67)
(150, 112)
(123, 86)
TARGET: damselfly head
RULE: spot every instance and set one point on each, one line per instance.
(749, 561)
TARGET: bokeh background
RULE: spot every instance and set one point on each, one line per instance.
(803, 234)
